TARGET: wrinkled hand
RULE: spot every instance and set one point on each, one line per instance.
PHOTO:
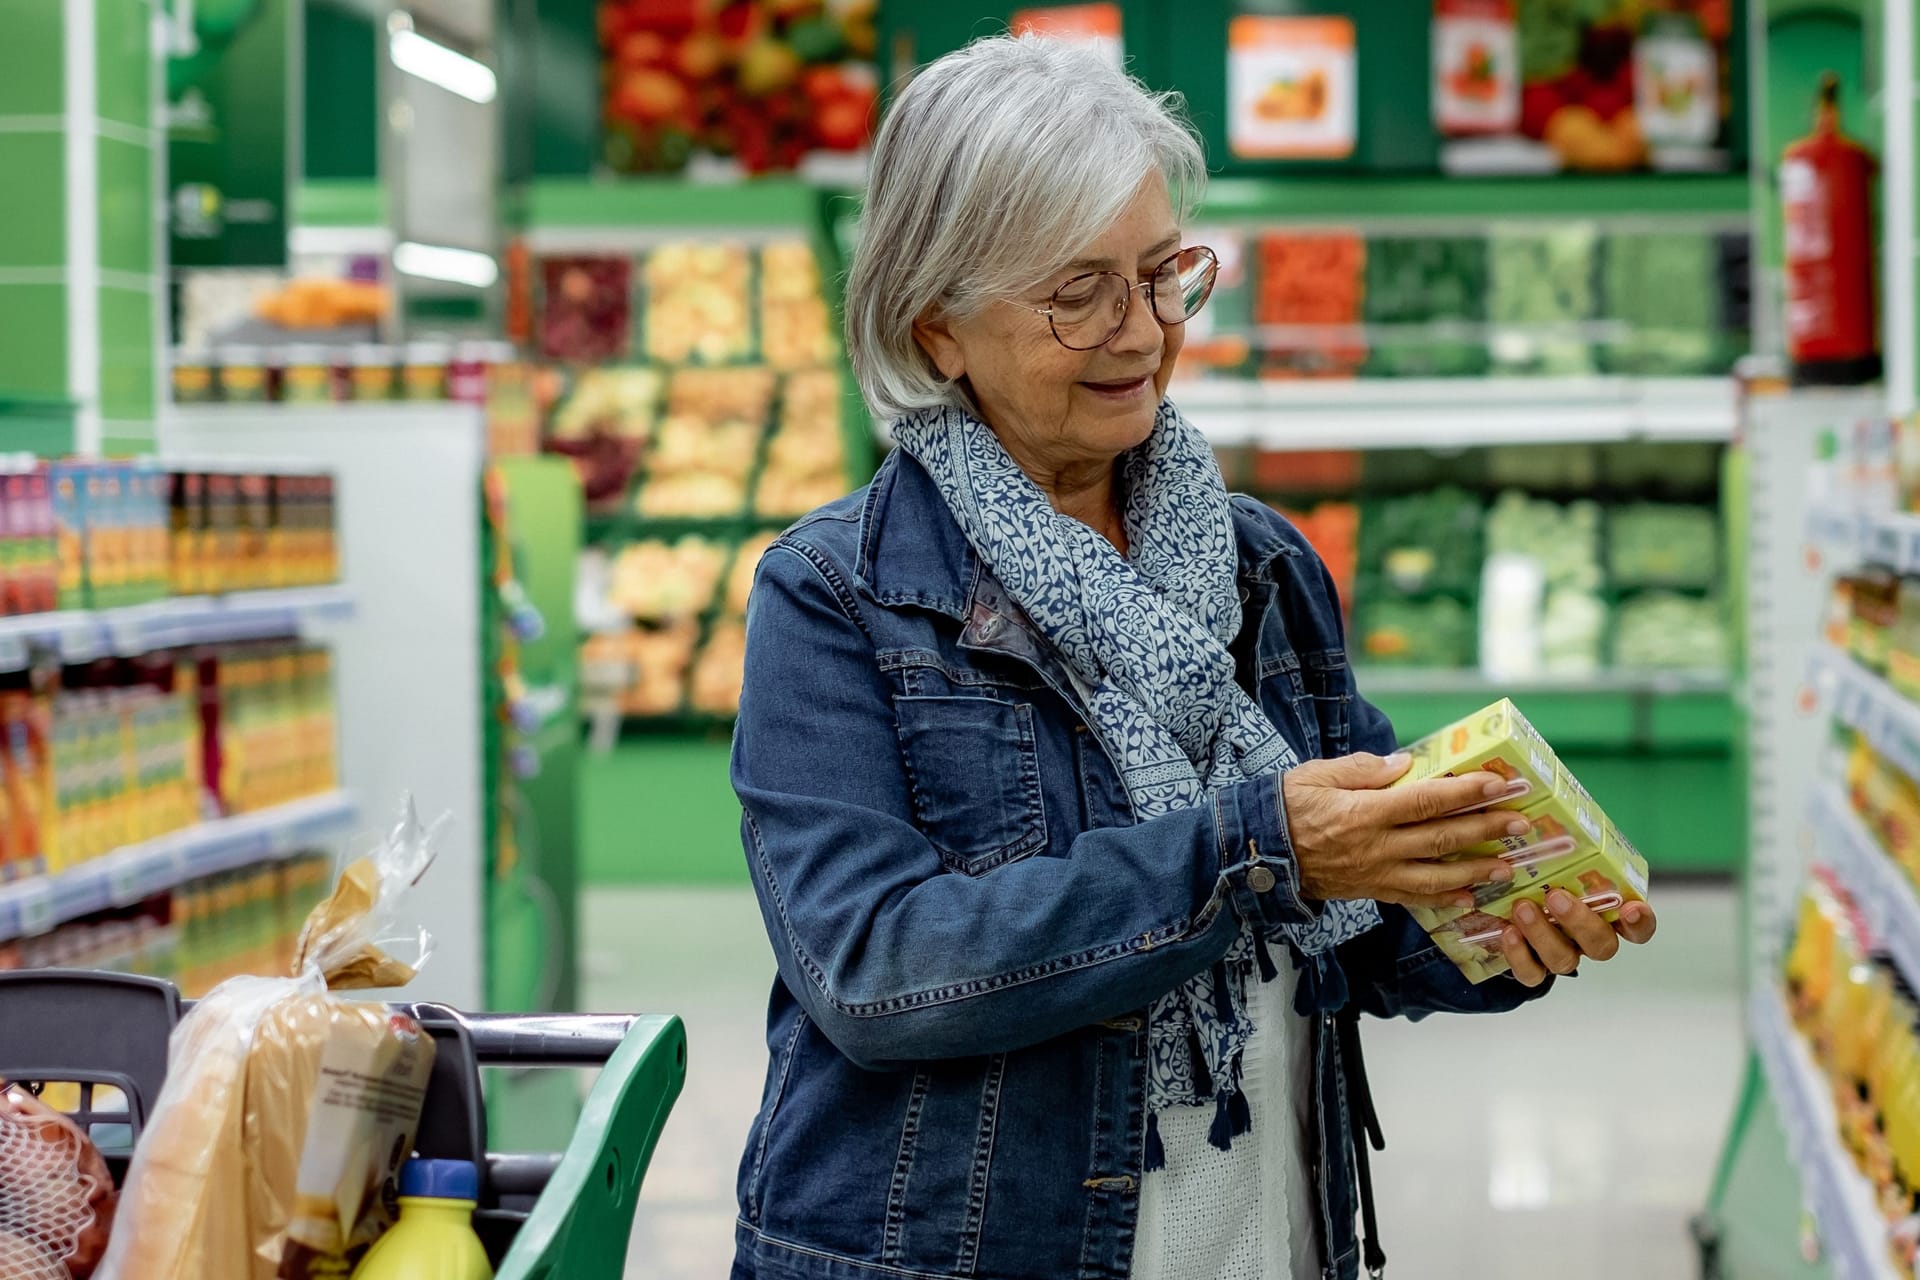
(1536, 945)
(1353, 839)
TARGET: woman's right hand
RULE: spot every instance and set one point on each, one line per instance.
(1354, 838)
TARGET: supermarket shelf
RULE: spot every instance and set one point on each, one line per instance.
(1457, 413)
(1852, 1234)
(84, 635)
(139, 871)
(1472, 681)
(1879, 889)
(1864, 702)
(1891, 538)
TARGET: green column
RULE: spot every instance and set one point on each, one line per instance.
(80, 284)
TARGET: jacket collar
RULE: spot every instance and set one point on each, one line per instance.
(912, 551)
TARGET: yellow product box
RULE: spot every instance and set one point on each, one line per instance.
(1565, 823)
(1496, 739)
(1605, 880)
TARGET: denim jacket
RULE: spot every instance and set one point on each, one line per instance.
(969, 926)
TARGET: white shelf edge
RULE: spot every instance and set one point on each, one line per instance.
(82, 635)
(1879, 888)
(1851, 1231)
(1864, 702)
(1890, 538)
(136, 872)
(1469, 680)
(1449, 413)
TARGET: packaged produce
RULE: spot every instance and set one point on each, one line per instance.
(1652, 544)
(434, 1237)
(1660, 629)
(1604, 881)
(1431, 633)
(586, 313)
(796, 328)
(1903, 647)
(1541, 297)
(654, 581)
(57, 1199)
(248, 1166)
(1425, 306)
(616, 401)
(743, 394)
(697, 304)
(1307, 304)
(1497, 739)
(639, 671)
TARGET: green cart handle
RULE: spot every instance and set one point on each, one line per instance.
(582, 1222)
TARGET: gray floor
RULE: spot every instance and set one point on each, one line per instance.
(1573, 1138)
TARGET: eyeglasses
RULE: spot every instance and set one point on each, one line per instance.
(1087, 311)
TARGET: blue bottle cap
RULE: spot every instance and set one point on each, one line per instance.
(440, 1179)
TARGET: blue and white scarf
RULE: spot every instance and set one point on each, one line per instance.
(1149, 637)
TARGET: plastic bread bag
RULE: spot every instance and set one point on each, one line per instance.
(56, 1196)
(286, 1108)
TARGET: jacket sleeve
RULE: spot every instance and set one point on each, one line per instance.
(894, 958)
(1396, 969)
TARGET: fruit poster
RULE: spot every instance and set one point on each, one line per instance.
(1606, 86)
(1292, 88)
(1094, 25)
(1476, 67)
(763, 83)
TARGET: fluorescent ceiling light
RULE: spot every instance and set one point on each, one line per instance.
(438, 262)
(433, 62)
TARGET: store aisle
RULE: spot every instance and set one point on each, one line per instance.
(1582, 1129)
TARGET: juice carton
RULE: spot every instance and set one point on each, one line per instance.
(1605, 880)
(69, 499)
(1496, 739)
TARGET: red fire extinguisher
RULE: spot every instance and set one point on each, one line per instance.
(1826, 185)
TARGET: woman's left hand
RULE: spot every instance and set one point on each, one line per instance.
(1536, 946)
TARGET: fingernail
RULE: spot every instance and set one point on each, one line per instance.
(1503, 873)
(1560, 901)
(1631, 913)
(1498, 787)
(1524, 913)
(1511, 937)
(1519, 827)
(1463, 900)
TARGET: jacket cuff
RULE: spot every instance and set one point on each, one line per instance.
(1256, 857)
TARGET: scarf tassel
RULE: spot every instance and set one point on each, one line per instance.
(1156, 1155)
(1268, 970)
(1232, 1117)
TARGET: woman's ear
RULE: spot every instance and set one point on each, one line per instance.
(934, 332)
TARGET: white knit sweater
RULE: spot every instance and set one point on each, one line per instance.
(1248, 1213)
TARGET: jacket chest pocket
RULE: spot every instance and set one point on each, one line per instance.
(973, 763)
(1284, 697)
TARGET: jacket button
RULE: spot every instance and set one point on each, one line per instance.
(1260, 880)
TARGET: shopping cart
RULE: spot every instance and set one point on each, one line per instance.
(561, 1215)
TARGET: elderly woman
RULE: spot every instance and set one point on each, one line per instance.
(1059, 801)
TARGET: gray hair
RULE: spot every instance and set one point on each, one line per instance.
(993, 169)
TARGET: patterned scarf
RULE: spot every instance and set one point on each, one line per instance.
(1149, 636)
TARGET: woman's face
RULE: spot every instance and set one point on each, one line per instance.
(1058, 410)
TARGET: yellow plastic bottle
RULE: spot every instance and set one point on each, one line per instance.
(434, 1237)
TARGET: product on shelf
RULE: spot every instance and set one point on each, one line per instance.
(653, 580)
(1437, 633)
(611, 400)
(697, 304)
(267, 724)
(716, 395)
(1888, 802)
(1663, 545)
(110, 519)
(324, 304)
(587, 312)
(714, 688)
(1307, 304)
(247, 531)
(1861, 1019)
(1540, 602)
(1426, 306)
(1664, 289)
(29, 546)
(1572, 846)
(640, 671)
(1658, 629)
(1422, 543)
(1541, 298)
(796, 328)
(806, 463)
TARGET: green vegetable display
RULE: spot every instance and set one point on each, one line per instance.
(1565, 539)
(1651, 544)
(1421, 544)
(1416, 633)
(1540, 299)
(1662, 629)
(1662, 290)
